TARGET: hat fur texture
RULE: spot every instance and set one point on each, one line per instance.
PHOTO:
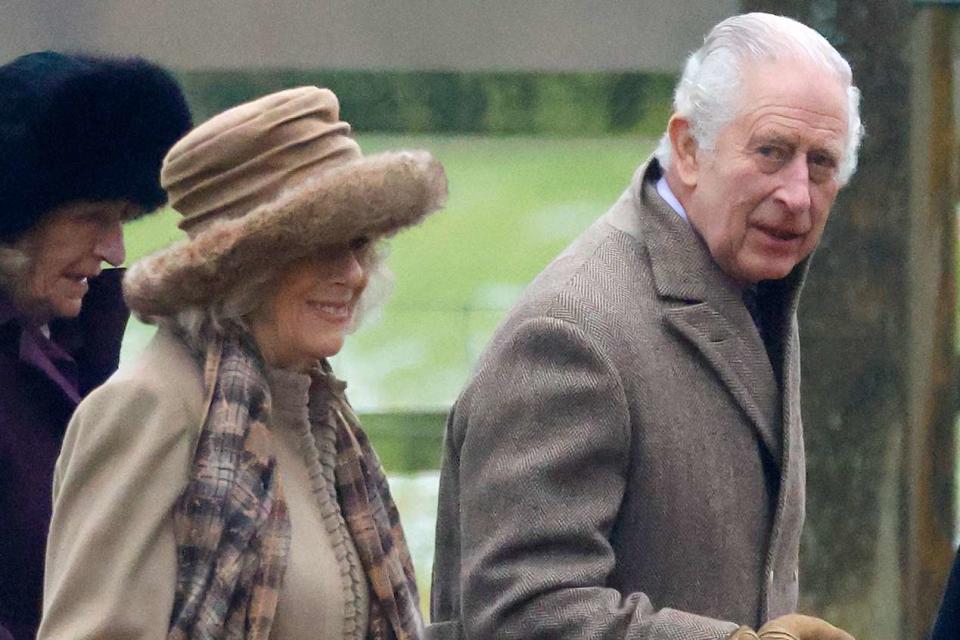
(77, 127)
(372, 196)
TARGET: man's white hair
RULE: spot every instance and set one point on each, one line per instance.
(707, 92)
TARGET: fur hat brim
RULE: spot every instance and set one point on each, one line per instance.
(374, 196)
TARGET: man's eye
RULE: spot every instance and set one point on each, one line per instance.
(770, 158)
(772, 153)
(822, 167)
(822, 160)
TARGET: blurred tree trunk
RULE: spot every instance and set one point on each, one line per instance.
(877, 326)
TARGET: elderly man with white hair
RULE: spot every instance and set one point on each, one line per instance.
(627, 461)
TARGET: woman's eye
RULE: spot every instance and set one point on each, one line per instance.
(358, 244)
(101, 218)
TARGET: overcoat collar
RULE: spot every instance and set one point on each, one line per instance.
(706, 306)
(37, 351)
(80, 353)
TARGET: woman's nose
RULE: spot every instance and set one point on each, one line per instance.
(350, 268)
(109, 247)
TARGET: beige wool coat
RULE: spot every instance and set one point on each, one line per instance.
(111, 554)
(623, 463)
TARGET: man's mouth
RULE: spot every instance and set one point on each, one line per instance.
(778, 233)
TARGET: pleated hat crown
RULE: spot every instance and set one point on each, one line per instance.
(269, 182)
(246, 156)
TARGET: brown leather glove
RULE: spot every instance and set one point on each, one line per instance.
(793, 626)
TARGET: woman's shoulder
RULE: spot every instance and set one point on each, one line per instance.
(165, 366)
(158, 398)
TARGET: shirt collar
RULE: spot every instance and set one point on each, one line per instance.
(665, 192)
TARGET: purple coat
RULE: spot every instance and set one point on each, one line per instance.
(41, 382)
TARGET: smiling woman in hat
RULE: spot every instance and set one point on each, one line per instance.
(81, 143)
(222, 486)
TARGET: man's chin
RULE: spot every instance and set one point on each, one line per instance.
(767, 270)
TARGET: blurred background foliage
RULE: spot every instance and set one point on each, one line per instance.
(503, 103)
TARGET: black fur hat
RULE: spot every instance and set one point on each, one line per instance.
(77, 127)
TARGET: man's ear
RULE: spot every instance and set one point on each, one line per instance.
(683, 149)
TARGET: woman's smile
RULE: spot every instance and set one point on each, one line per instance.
(339, 313)
(311, 310)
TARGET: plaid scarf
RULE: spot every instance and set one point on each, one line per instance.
(231, 522)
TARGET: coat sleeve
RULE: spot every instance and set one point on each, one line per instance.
(4, 634)
(111, 554)
(543, 466)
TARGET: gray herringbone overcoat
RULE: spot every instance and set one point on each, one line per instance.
(623, 463)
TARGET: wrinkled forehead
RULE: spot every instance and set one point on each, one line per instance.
(796, 95)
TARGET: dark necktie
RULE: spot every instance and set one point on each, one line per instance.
(753, 306)
(752, 301)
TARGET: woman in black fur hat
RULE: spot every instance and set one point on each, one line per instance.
(81, 144)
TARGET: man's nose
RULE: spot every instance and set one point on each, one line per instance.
(109, 247)
(794, 192)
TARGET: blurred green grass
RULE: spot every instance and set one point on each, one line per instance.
(515, 202)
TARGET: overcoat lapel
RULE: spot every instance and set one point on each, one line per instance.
(703, 305)
(746, 375)
(55, 364)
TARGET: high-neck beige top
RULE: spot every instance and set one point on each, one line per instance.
(324, 593)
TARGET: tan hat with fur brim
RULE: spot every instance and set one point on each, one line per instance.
(341, 200)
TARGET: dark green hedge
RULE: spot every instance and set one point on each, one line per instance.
(451, 102)
(406, 441)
